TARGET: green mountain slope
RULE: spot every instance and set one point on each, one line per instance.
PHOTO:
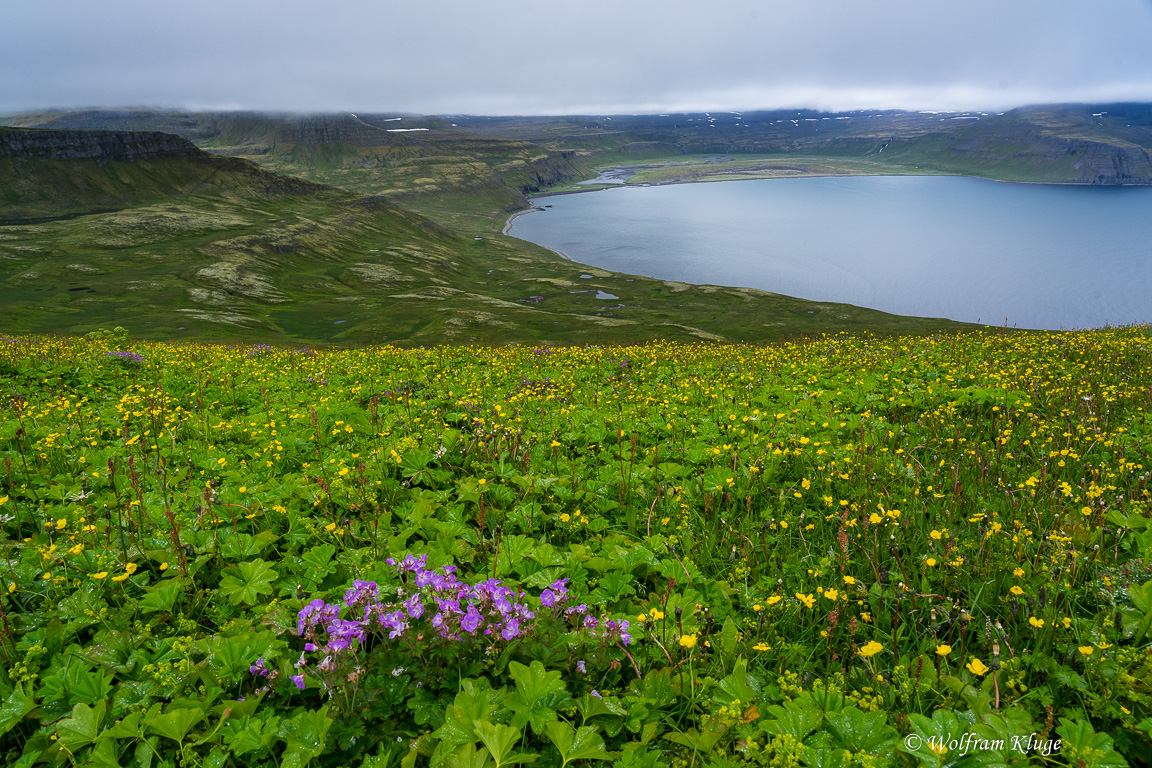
(211, 247)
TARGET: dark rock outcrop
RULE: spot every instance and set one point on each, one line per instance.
(101, 146)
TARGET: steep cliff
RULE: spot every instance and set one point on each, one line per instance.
(102, 146)
(50, 174)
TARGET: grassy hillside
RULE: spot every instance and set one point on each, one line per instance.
(215, 247)
(850, 552)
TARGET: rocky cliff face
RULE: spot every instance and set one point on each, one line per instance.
(101, 146)
(1099, 163)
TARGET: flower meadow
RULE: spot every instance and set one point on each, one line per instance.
(847, 551)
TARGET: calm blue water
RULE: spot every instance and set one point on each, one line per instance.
(1034, 256)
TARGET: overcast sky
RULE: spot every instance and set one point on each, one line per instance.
(552, 57)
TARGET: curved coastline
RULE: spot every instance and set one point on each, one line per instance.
(1061, 320)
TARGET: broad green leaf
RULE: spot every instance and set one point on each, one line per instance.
(83, 727)
(539, 693)
(305, 735)
(1081, 745)
(15, 708)
(163, 598)
(105, 754)
(175, 723)
(796, 718)
(859, 731)
(244, 583)
(735, 687)
(318, 560)
(500, 739)
(580, 744)
(702, 740)
(469, 756)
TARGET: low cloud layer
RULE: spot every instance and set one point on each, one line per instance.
(597, 56)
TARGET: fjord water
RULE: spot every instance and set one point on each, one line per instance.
(1029, 255)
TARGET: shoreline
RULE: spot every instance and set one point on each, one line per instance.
(625, 185)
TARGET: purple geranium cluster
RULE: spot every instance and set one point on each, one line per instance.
(428, 602)
(259, 349)
(127, 357)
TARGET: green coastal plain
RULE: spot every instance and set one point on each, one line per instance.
(306, 463)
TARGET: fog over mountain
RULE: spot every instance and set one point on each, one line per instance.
(520, 57)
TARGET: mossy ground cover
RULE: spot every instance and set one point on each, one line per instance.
(847, 551)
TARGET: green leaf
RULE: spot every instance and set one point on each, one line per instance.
(796, 718)
(704, 739)
(15, 708)
(580, 744)
(244, 583)
(500, 739)
(163, 598)
(538, 694)
(175, 723)
(859, 731)
(305, 735)
(735, 687)
(1080, 743)
(83, 728)
(468, 756)
(318, 560)
(475, 701)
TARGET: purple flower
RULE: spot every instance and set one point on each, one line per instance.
(581, 667)
(259, 668)
(315, 613)
(361, 593)
(596, 693)
(394, 622)
(299, 680)
(309, 646)
(472, 619)
(415, 607)
(511, 629)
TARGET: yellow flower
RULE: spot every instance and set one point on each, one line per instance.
(943, 650)
(163, 566)
(1038, 623)
(121, 577)
(774, 599)
(870, 649)
(657, 614)
(564, 517)
(642, 618)
(808, 600)
(330, 527)
(831, 594)
(1018, 572)
(936, 535)
(688, 641)
(100, 575)
(761, 647)
(976, 667)
(131, 568)
(1086, 650)
(849, 580)
(243, 489)
(757, 607)
(875, 519)
(1016, 590)
(930, 562)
